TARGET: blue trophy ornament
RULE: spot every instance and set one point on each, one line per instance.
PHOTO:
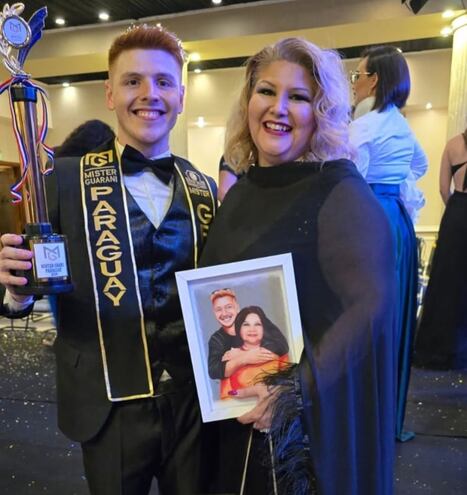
(50, 272)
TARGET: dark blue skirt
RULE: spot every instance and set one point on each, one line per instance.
(403, 232)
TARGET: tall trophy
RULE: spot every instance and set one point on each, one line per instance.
(50, 273)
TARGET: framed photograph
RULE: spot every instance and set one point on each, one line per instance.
(242, 321)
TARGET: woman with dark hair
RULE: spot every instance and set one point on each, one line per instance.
(441, 341)
(331, 416)
(388, 155)
(84, 138)
(253, 330)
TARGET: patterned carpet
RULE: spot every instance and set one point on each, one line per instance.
(37, 459)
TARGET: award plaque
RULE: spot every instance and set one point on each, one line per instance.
(50, 273)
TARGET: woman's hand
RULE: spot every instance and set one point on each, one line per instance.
(259, 355)
(261, 414)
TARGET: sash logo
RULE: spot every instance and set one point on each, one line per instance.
(98, 159)
(194, 180)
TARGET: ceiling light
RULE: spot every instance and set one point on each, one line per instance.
(216, 2)
(200, 122)
(197, 70)
(104, 16)
(429, 106)
(195, 57)
(60, 21)
(446, 31)
(447, 14)
(65, 84)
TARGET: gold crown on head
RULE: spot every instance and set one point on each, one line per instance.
(161, 28)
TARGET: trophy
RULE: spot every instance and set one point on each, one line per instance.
(50, 273)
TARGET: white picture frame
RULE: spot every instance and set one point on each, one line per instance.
(267, 282)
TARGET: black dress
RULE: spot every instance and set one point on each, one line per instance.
(328, 218)
(441, 341)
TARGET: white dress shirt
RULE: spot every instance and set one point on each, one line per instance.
(388, 152)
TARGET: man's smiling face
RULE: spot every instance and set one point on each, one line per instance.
(225, 310)
(145, 90)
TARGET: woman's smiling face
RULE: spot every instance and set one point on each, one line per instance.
(251, 330)
(280, 113)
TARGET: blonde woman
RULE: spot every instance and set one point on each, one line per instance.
(331, 417)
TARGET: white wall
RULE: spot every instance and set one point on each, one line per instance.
(205, 147)
(430, 128)
(211, 95)
(8, 149)
(73, 105)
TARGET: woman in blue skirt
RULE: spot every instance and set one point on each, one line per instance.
(389, 156)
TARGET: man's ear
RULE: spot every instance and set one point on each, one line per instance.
(109, 95)
(182, 97)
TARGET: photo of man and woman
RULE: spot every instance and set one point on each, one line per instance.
(242, 323)
(246, 346)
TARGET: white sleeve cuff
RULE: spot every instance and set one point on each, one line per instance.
(14, 305)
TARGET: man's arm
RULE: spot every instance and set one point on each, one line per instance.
(217, 349)
(237, 358)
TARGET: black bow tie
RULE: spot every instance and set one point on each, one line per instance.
(133, 162)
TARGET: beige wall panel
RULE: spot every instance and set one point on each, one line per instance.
(8, 149)
(205, 147)
(211, 95)
(74, 105)
(430, 128)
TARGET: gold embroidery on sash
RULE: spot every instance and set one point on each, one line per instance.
(98, 159)
(192, 215)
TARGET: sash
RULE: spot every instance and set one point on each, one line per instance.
(119, 310)
(201, 201)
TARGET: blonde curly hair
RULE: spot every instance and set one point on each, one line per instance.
(330, 103)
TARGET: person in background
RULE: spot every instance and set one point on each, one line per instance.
(388, 155)
(441, 341)
(125, 387)
(331, 416)
(227, 178)
(84, 138)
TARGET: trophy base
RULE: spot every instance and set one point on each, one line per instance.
(50, 272)
(35, 289)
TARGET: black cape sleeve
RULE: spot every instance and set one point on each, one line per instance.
(346, 380)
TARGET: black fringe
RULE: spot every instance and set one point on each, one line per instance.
(291, 445)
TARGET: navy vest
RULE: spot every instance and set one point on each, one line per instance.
(159, 253)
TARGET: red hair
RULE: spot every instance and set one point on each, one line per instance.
(147, 37)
